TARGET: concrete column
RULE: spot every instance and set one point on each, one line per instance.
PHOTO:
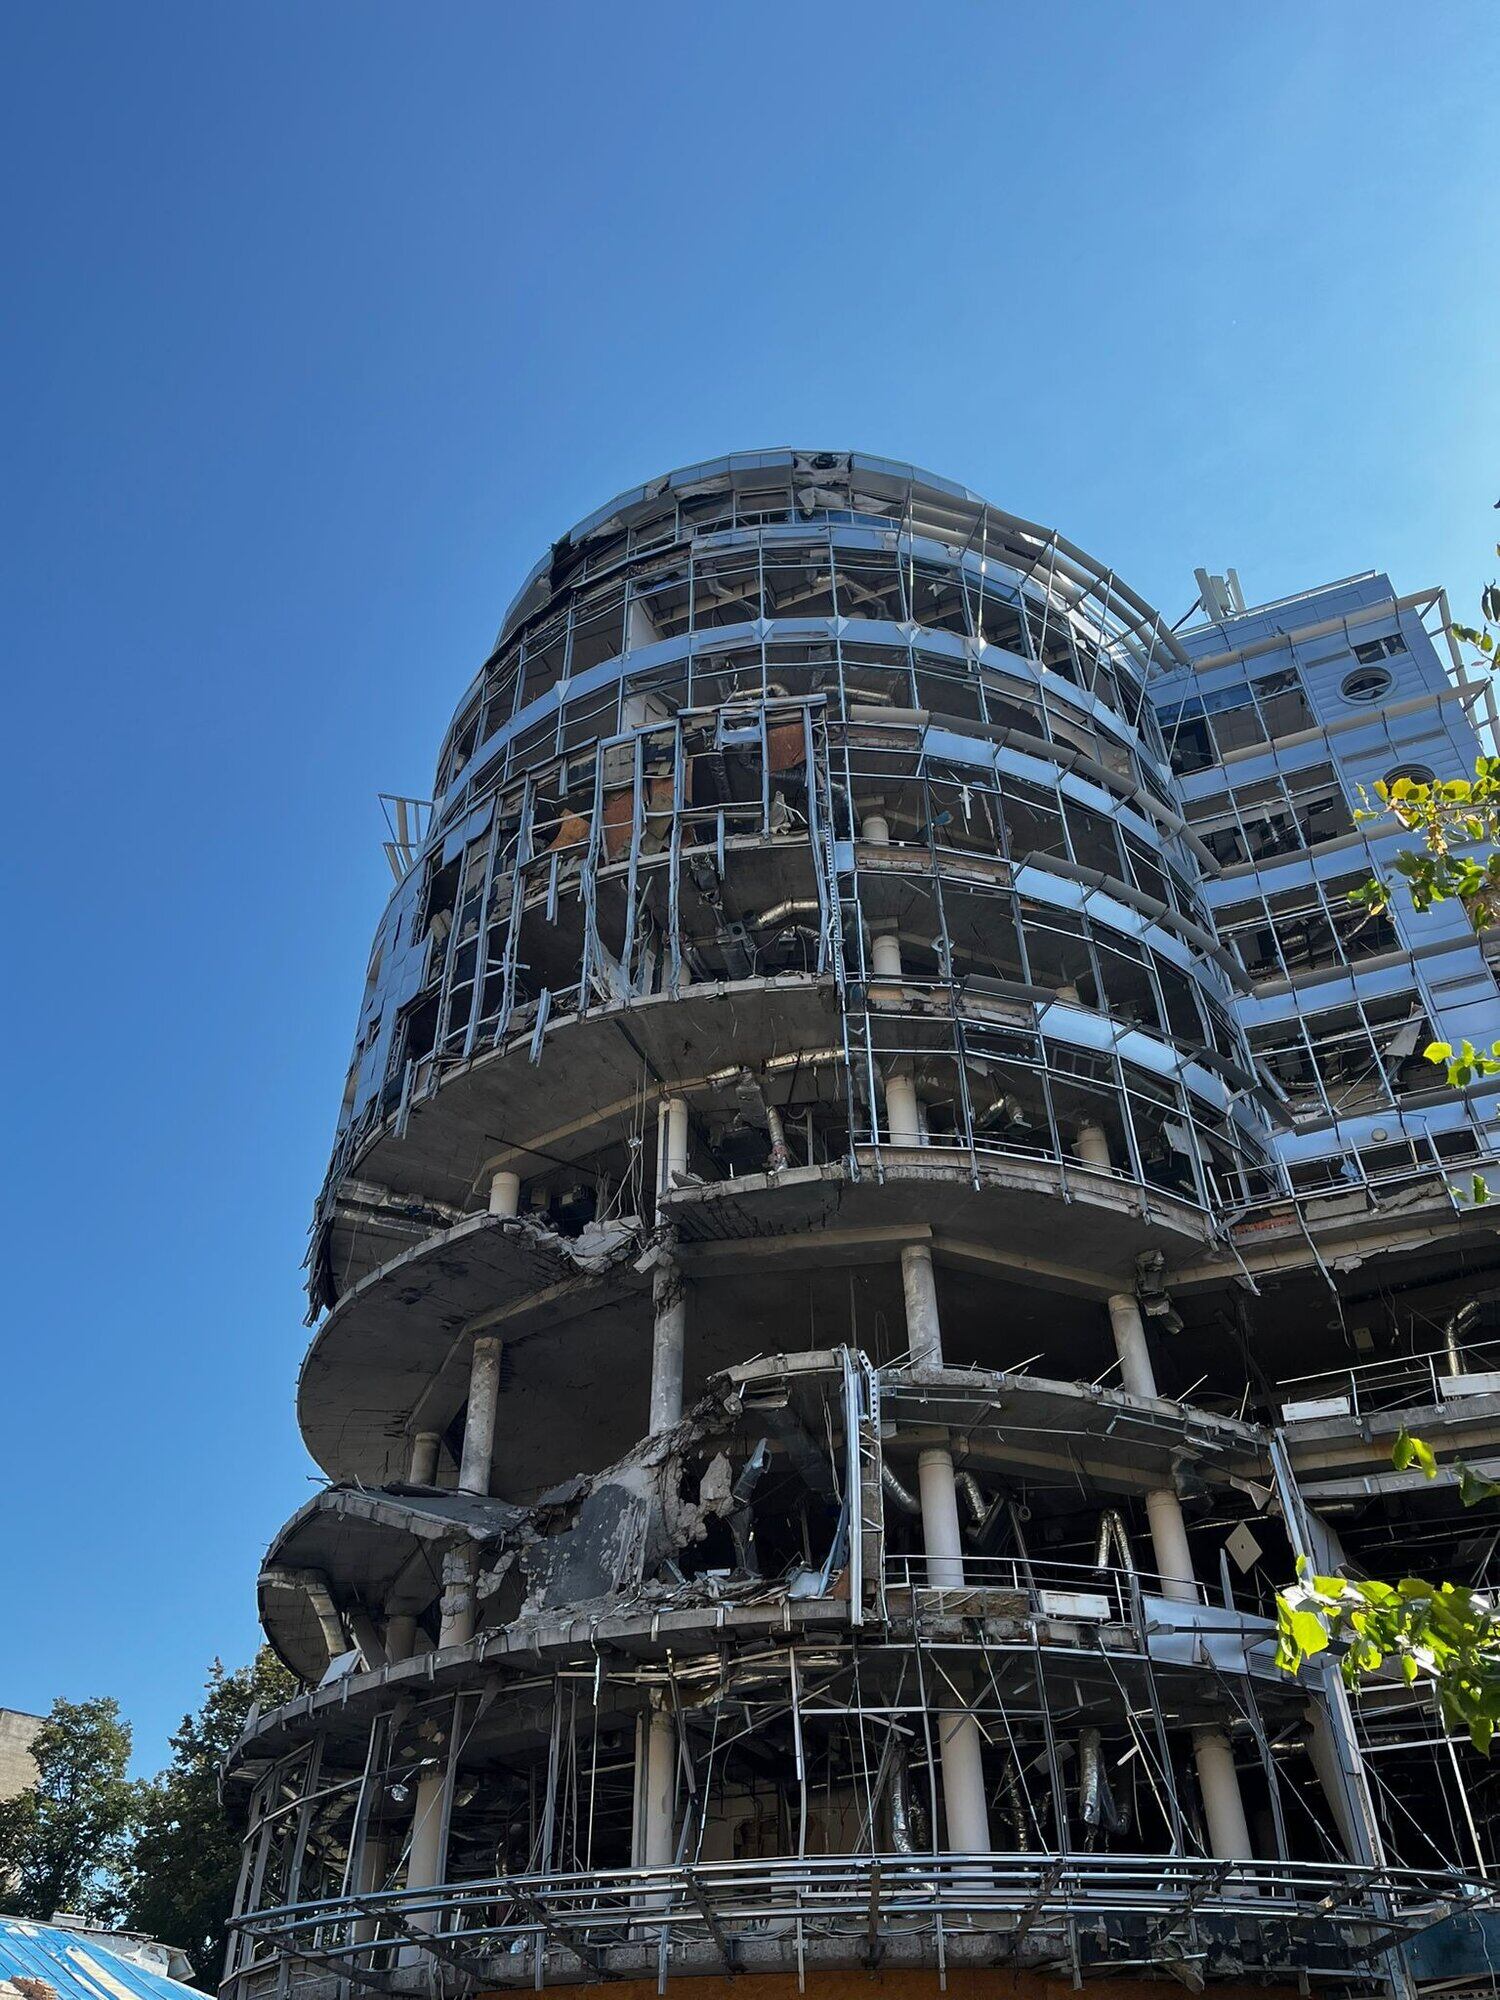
(427, 1860)
(671, 1145)
(885, 964)
(1218, 1782)
(372, 1866)
(668, 1293)
(400, 1636)
(422, 1471)
(401, 1630)
(965, 1810)
(1223, 1808)
(505, 1194)
(1093, 1146)
(1169, 1544)
(1173, 1558)
(479, 1417)
(924, 1331)
(457, 1616)
(903, 1120)
(941, 1536)
(425, 1863)
(1137, 1376)
(656, 1763)
(668, 1344)
(876, 829)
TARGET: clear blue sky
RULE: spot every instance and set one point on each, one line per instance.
(321, 321)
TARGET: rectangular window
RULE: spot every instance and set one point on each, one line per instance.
(1370, 651)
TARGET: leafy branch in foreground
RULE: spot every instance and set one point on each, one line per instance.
(1448, 817)
(1443, 1634)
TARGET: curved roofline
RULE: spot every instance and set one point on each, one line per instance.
(786, 456)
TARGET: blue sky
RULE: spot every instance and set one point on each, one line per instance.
(323, 321)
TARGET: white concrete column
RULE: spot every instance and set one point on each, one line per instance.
(965, 1810)
(924, 1330)
(1223, 1808)
(479, 1417)
(671, 1145)
(422, 1470)
(668, 1344)
(1137, 1376)
(876, 829)
(1093, 1145)
(505, 1194)
(885, 965)
(941, 1536)
(1169, 1545)
(903, 1120)
(1169, 1542)
(668, 1293)
(656, 1764)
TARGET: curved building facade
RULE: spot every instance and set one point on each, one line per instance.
(785, 1355)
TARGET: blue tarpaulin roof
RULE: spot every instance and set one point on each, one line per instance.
(78, 1967)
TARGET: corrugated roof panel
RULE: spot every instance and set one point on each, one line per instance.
(77, 1967)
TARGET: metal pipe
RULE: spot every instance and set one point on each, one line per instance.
(973, 1495)
(1015, 1809)
(1112, 1534)
(903, 1496)
(1455, 1326)
(901, 1838)
(780, 1157)
(1090, 1781)
(794, 906)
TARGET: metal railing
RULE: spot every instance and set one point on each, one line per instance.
(1047, 1589)
(1396, 1382)
(1126, 1909)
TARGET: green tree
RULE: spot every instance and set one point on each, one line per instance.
(63, 1841)
(184, 1861)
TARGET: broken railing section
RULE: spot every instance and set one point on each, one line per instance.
(407, 822)
(745, 1499)
(1201, 1920)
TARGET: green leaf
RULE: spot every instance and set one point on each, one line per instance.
(1473, 1487)
(1308, 1632)
(1408, 1451)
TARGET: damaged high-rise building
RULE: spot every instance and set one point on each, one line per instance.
(884, 1197)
